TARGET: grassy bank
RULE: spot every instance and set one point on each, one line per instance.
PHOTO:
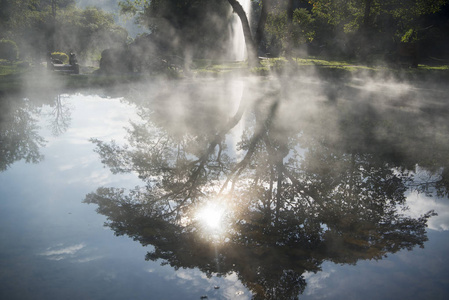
(19, 76)
(15, 79)
(326, 69)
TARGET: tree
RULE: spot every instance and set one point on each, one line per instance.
(48, 25)
(370, 20)
(88, 31)
(260, 31)
(8, 50)
(250, 44)
(181, 22)
(187, 29)
(289, 29)
(33, 22)
(283, 26)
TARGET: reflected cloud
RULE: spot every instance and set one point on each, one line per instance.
(232, 287)
(194, 278)
(63, 252)
(419, 203)
(66, 167)
(89, 259)
(315, 281)
(227, 287)
(77, 253)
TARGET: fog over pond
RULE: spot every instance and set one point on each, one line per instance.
(243, 188)
(224, 149)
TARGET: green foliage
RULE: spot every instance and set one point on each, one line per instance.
(370, 29)
(335, 12)
(302, 30)
(198, 28)
(303, 23)
(8, 50)
(6, 69)
(60, 56)
(352, 15)
(132, 7)
(409, 36)
(88, 31)
(39, 27)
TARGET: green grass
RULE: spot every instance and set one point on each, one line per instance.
(13, 74)
(301, 65)
(430, 71)
(211, 66)
(6, 70)
(313, 61)
(206, 68)
(11, 68)
(438, 67)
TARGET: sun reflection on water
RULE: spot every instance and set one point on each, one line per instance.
(211, 217)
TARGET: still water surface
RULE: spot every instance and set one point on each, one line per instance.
(232, 189)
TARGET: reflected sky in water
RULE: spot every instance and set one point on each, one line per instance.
(230, 190)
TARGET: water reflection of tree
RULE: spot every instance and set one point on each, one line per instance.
(293, 199)
(19, 138)
(60, 116)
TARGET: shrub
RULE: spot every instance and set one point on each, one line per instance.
(61, 56)
(8, 50)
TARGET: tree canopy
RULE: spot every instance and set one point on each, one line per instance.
(356, 28)
(194, 28)
(363, 29)
(374, 26)
(50, 25)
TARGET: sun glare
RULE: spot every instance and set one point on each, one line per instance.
(211, 216)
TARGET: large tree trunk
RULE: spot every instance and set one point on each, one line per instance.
(367, 13)
(365, 39)
(262, 21)
(289, 46)
(51, 39)
(253, 59)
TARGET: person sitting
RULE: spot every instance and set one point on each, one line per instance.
(72, 59)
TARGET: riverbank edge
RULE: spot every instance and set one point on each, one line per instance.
(38, 79)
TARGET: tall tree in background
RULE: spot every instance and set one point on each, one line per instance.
(260, 31)
(198, 26)
(288, 50)
(186, 28)
(249, 41)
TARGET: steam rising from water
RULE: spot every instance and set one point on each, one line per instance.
(366, 114)
(361, 122)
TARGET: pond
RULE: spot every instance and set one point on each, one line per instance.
(226, 189)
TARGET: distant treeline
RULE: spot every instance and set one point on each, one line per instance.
(360, 29)
(179, 31)
(38, 27)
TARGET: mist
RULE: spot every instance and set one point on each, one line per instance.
(230, 149)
